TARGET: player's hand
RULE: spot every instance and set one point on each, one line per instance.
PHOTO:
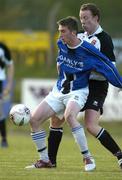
(6, 91)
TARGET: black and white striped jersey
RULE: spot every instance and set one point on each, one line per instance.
(102, 41)
(5, 60)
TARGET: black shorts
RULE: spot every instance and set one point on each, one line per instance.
(97, 94)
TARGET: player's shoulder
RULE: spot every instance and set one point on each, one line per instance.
(103, 36)
(6, 50)
(106, 44)
(3, 46)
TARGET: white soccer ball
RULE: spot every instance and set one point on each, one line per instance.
(20, 114)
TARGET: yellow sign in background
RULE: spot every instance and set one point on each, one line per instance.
(27, 45)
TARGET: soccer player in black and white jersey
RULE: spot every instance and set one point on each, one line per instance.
(6, 73)
(90, 18)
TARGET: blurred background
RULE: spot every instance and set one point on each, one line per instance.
(29, 29)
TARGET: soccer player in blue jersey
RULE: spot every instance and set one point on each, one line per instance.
(90, 18)
(76, 59)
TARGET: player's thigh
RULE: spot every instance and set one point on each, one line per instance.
(42, 111)
(75, 102)
(55, 103)
(72, 110)
(91, 117)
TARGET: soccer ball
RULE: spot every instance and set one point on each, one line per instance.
(20, 114)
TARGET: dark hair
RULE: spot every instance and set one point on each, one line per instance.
(91, 7)
(71, 22)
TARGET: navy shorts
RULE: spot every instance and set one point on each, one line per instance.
(97, 94)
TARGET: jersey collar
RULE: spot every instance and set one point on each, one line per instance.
(99, 30)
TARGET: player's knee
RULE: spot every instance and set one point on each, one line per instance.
(90, 127)
(34, 122)
(69, 117)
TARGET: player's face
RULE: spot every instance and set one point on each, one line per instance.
(88, 21)
(65, 34)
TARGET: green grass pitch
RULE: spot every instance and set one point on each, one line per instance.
(21, 152)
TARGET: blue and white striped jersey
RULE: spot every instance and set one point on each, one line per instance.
(76, 64)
